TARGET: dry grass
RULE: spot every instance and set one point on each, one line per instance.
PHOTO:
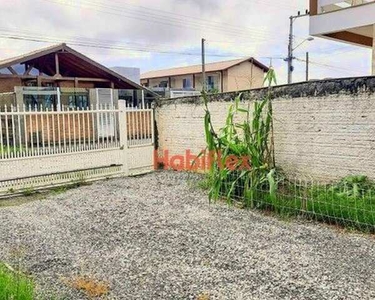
(91, 287)
(204, 296)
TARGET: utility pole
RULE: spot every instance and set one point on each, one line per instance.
(290, 51)
(290, 57)
(307, 66)
(203, 66)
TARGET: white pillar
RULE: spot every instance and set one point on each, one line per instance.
(123, 128)
(143, 99)
(58, 93)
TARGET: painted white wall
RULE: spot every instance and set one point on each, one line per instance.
(133, 74)
(322, 138)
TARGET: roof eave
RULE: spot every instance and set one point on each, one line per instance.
(22, 59)
(64, 47)
(250, 59)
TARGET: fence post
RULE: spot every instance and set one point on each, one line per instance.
(19, 104)
(123, 136)
(58, 94)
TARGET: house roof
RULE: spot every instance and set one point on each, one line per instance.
(70, 59)
(210, 67)
(29, 56)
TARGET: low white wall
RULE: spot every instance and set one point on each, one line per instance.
(323, 130)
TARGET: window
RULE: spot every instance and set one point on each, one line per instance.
(210, 83)
(35, 101)
(128, 96)
(163, 84)
(38, 101)
(78, 102)
(186, 83)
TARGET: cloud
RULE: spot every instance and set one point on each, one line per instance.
(233, 28)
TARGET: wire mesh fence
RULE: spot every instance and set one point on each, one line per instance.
(349, 202)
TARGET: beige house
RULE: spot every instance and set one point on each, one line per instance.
(224, 76)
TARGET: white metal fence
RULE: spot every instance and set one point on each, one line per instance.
(40, 147)
(140, 126)
(36, 131)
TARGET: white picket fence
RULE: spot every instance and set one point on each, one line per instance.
(41, 148)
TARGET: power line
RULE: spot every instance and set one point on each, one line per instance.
(174, 14)
(114, 46)
(162, 19)
(270, 4)
(44, 40)
(345, 50)
(274, 4)
(24, 32)
(349, 71)
(231, 42)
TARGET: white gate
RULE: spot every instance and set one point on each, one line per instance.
(41, 148)
(140, 139)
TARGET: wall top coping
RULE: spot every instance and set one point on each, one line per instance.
(315, 88)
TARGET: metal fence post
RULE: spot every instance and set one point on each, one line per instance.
(123, 134)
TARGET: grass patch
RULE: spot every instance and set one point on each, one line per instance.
(14, 285)
(348, 203)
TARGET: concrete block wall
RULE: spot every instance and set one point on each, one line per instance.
(323, 130)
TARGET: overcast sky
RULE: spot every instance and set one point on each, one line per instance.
(154, 34)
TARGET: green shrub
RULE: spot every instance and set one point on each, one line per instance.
(349, 202)
(15, 286)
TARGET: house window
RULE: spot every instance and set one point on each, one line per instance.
(186, 83)
(128, 96)
(78, 102)
(210, 83)
(163, 84)
(32, 102)
(35, 101)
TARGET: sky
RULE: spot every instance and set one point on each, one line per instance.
(157, 34)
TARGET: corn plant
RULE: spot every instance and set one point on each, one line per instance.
(250, 140)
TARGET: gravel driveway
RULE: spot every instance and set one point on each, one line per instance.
(155, 237)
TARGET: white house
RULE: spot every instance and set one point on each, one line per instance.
(350, 21)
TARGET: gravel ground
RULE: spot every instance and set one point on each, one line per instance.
(156, 237)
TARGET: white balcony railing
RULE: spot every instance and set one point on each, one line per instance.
(337, 16)
(183, 93)
(325, 6)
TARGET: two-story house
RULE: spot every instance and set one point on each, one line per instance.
(350, 21)
(224, 76)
